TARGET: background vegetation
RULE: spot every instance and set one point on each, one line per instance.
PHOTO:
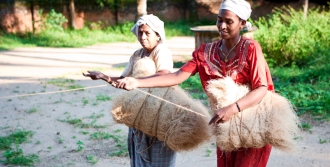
(298, 49)
(53, 35)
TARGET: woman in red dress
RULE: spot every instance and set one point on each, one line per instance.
(235, 56)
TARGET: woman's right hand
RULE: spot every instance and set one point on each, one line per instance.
(127, 83)
(94, 75)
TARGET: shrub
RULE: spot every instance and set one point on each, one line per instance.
(288, 38)
(53, 20)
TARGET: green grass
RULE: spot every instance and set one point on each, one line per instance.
(15, 156)
(80, 145)
(121, 144)
(208, 152)
(306, 88)
(18, 158)
(92, 159)
(194, 87)
(66, 38)
(102, 97)
(85, 36)
(16, 137)
(89, 121)
(65, 83)
(32, 110)
(101, 135)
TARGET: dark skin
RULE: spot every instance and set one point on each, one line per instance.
(229, 26)
(148, 39)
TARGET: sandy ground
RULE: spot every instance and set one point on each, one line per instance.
(32, 70)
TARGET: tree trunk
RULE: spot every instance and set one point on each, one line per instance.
(116, 5)
(72, 15)
(32, 15)
(305, 8)
(193, 14)
(141, 8)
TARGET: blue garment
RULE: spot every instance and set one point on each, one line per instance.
(147, 151)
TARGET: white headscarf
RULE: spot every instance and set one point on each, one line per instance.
(154, 23)
(240, 7)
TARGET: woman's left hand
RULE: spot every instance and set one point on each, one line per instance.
(224, 114)
(94, 75)
(127, 83)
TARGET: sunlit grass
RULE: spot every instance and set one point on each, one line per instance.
(85, 36)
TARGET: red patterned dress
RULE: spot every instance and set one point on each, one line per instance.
(248, 66)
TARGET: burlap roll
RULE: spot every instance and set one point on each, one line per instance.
(179, 128)
(272, 121)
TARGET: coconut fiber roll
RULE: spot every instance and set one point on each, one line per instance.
(179, 128)
(272, 121)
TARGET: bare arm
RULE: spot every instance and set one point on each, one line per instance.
(95, 75)
(160, 72)
(251, 99)
(165, 80)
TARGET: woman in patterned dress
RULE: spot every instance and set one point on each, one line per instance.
(235, 56)
(145, 150)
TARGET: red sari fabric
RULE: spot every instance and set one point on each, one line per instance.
(247, 67)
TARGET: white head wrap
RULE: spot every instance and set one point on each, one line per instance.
(240, 7)
(154, 23)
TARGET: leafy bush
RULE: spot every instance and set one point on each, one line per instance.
(288, 38)
(53, 20)
(307, 89)
(178, 28)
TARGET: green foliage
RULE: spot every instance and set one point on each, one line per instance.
(298, 50)
(16, 156)
(194, 86)
(92, 159)
(80, 145)
(208, 152)
(124, 29)
(306, 88)
(32, 110)
(78, 122)
(306, 126)
(288, 38)
(89, 35)
(68, 38)
(322, 141)
(101, 135)
(178, 28)
(192, 83)
(16, 137)
(65, 83)
(53, 20)
(121, 144)
(102, 97)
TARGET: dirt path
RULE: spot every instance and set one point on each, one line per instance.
(55, 118)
